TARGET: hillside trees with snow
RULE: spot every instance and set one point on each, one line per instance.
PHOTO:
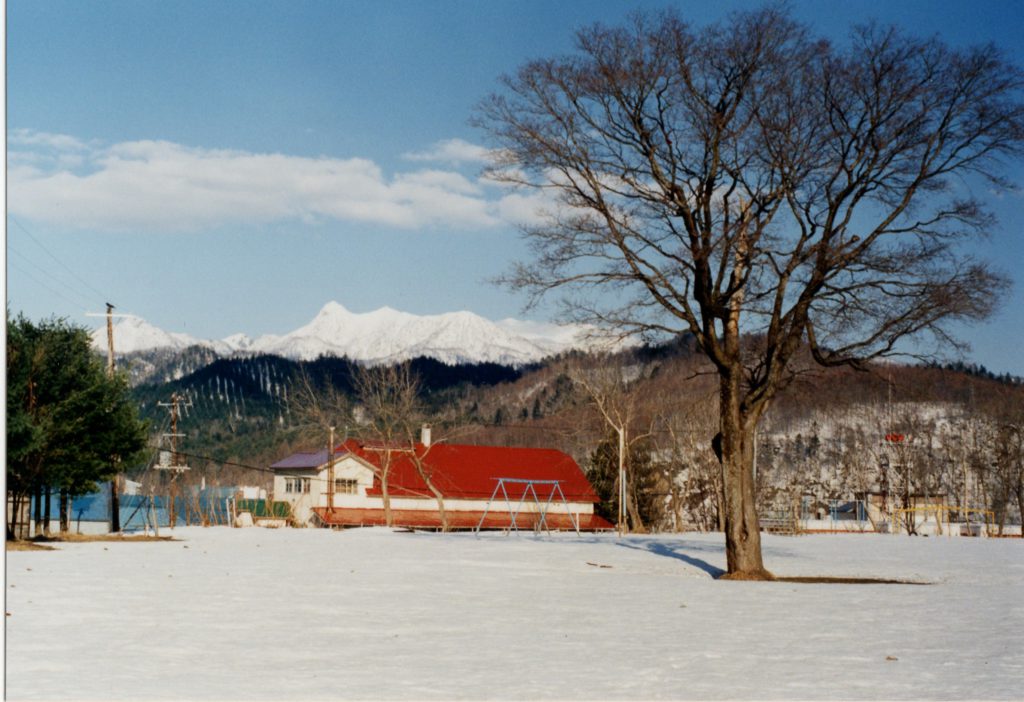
(822, 442)
(764, 190)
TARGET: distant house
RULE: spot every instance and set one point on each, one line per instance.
(917, 508)
(524, 481)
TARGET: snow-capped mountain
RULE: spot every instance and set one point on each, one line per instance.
(387, 335)
(382, 336)
(234, 343)
(132, 334)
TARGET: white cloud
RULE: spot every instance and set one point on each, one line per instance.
(448, 180)
(162, 185)
(527, 208)
(29, 137)
(452, 151)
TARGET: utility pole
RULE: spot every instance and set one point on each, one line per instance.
(110, 340)
(115, 482)
(622, 479)
(173, 463)
(330, 473)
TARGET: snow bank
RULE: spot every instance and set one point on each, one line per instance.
(371, 614)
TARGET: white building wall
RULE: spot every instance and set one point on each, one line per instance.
(499, 505)
(302, 503)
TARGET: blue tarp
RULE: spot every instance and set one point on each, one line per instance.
(138, 511)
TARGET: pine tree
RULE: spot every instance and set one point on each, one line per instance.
(642, 480)
(69, 424)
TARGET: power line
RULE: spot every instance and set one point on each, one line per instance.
(51, 255)
(42, 284)
(73, 290)
(211, 459)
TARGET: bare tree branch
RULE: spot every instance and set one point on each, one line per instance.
(748, 180)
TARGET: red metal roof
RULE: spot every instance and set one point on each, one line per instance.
(471, 472)
(431, 519)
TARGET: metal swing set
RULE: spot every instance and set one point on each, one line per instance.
(529, 489)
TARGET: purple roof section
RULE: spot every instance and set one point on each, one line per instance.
(304, 459)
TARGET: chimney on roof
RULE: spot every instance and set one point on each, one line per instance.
(425, 435)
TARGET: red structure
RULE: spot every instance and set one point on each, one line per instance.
(465, 475)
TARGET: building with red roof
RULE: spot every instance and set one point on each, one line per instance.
(495, 487)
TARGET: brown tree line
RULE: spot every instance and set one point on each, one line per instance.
(823, 441)
(826, 442)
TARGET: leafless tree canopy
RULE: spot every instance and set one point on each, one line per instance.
(318, 408)
(390, 398)
(750, 169)
(763, 190)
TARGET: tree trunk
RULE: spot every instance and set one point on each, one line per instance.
(620, 508)
(14, 501)
(441, 509)
(440, 504)
(1019, 492)
(9, 522)
(742, 529)
(39, 527)
(385, 497)
(115, 505)
(720, 497)
(635, 521)
(65, 511)
(46, 509)
(677, 509)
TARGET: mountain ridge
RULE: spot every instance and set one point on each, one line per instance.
(382, 336)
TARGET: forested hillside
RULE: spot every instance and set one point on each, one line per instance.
(823, 440)
(243, 410)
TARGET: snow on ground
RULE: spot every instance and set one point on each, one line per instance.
(255, 614)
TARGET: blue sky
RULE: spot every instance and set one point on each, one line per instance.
(349, 121)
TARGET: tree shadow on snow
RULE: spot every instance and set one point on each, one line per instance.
(681, 550)
(677, 550)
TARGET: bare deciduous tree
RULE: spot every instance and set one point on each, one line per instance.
(320, 408)
(617, 402)
(317, 406)
(426, 469)
(389, 397)
(749, 182)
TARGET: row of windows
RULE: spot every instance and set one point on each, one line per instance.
(296, 485)
(343, 486)
(346, 486)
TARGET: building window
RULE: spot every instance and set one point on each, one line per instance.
(346, 486)
(296, 485)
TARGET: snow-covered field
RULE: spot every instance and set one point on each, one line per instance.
(254, 614)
